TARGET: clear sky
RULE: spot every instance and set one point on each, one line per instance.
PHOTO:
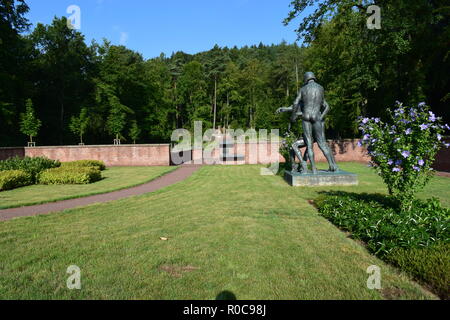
(154, 26)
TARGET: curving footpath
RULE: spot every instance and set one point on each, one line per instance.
(168, 179)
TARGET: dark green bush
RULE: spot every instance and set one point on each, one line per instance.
(430, 265)
(376, 220)
(74, 175)
(11, 179)
(30, 165)
(85, 163)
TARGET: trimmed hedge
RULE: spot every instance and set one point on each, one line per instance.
(430, 265)
(70, 175)
(33, 166)
(11, 179)
(85, 163)
(376, 220)
(417, 242)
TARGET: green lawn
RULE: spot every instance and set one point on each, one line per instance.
(115, 178)
(229, 228)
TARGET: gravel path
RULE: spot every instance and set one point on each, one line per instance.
(168, 179)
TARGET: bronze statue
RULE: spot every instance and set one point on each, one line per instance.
(312, 107)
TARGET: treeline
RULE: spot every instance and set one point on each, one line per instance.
(122, 94)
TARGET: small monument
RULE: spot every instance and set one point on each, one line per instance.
(311, 106)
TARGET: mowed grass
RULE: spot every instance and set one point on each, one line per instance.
(114, 178)
(228, 229)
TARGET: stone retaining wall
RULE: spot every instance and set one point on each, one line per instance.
(159, 154)
(124, 155)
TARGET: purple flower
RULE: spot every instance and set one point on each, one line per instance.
(396, 169)
(366, 137)
(446, 126)
(365, 120)
(360, 143)
(398, 103)
(398, 162)
(405, 121)
(421, 162)
(439, 137)
(408, 131)
(390, 162)
(447, 145)
(416, 168)
(406, 154)
(396, 139)
(432, 117)
(423, 127)
(422, 104)
(376, 120)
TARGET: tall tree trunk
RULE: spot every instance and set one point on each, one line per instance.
(228, 109)
(215, 102)
(61, 124)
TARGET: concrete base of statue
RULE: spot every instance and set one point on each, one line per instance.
(322, 178)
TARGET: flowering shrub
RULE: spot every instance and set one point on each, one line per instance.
(403, 151)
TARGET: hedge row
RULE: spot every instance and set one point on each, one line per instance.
(11, 179)
(70, 175)
(85, 163)
(417, 242)
(376, 220)
(30, 165)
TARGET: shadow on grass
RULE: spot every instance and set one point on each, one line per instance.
(226, 295)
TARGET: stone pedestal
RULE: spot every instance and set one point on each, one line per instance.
(323, 178)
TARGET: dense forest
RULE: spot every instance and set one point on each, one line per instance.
(115, 91)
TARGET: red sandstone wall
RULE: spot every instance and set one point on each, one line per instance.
(124, 155)
(153, 155)
(6, 153)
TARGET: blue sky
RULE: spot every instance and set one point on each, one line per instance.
(154, 26)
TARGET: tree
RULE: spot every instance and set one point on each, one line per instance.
(216, 63)
(117, 118)
(29, 124)
(14, 64)
(62, 75)
(78, 125)
(135, 131)
(192, 89)
(366, 70)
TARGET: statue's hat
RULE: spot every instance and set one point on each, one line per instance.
(309, 76)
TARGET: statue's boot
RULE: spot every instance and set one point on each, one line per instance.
(334, 168)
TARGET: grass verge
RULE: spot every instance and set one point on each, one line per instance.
(114, 178)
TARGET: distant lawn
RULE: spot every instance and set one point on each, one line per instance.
(228, 228)
(115, 178)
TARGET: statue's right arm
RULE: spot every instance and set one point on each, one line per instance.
(285, 109)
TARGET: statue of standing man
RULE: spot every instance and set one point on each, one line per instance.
(311, 106)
